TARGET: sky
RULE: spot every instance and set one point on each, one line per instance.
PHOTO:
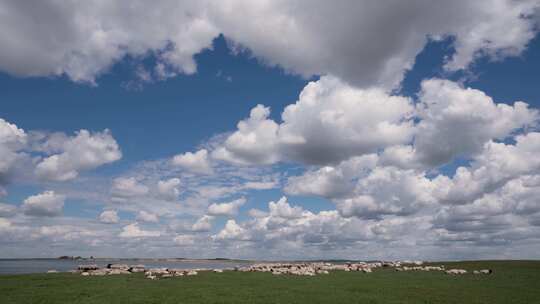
(270, 129)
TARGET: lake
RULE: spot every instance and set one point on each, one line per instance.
(19, 266)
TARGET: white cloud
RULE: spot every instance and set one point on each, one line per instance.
(330, 122)
(231, 231)
(7, 210)
(285, 225)
(373, 154)
(203, 224)
(83, 40)
(331, 181)
(147, 217)
(82, 152)
(168, 189)
(282, 209)
(505, 215)
(124, 188)
(373, 44)
(47, 203)
(493, 167)
(134, 231)
(457, 121)
(12, 139)
(264, 185)
(184, 240)
(109, 217)
(255, 141)
(197, 162)
(388, 190)
(229, 209)
(5, 224)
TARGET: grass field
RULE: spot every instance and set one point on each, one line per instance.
(511, 282)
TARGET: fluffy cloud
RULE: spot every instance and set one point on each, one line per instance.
(147, 217)
(12, 139)
(203, 224)
(457, 121)
(388, 190)
(282, 209)
(373, 154)
(255, 141)
(184, 240)
(168, 189)
(330, 122)
(332, 181)
(230, 208)
(124, 188)
(7, 210)
(109, 217)
(47, 203)
(285, 225)
(507, 214)
(83, 40)
(492, 168)
(82, 152)
(231, 231)
(298, 36)
(197, 162)
(134, 231)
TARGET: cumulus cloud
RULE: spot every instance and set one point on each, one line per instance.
(109, 217)
(282, 209)
(184, 240)
(168, 189)
(197, 162)
(375, 155)
(263, 185)
(124, 188)
(492, 168)
(330, 122)
(287, 225)
(298, 36)
(47, 203)
(147, 217)
(52, 156)
(388, 190)
(12, 139)
(134, 231)
(83, 40)
(203, 224)
(7, 210)
(457, 121)
(231, 231)
(504, 215)
(332, 181)
(255, 141)
(82, 152)
(229, 209)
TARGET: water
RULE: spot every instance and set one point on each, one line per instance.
(19, 266)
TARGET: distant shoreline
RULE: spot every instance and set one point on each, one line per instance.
(242, 260)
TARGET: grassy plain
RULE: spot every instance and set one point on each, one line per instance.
(511, 282)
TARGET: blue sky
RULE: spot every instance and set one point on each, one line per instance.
(209, 137)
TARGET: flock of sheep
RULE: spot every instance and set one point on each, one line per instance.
(300, 269)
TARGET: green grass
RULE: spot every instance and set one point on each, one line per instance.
(511, 282)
